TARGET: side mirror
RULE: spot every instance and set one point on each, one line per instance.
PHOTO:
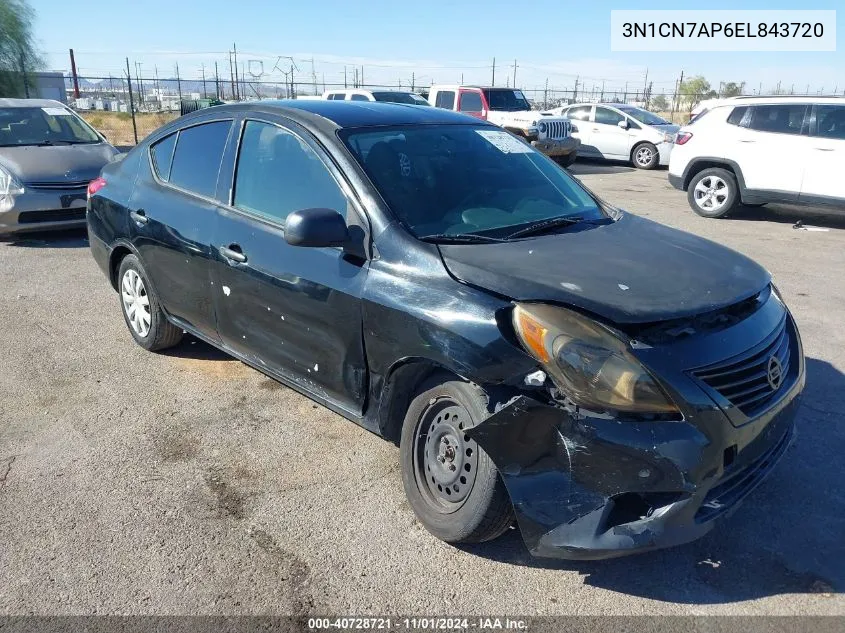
(316, 227)
(623, 124)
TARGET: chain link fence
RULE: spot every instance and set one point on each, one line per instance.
(127, 111)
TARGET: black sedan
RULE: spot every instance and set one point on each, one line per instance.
(613, 384)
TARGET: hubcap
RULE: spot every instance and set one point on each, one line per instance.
(446, 458)
(136, 303)
(644, 156)
(711, 193)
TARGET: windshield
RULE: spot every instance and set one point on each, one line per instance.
(643, 116)
(466, 179)
(507, 100)
(399, 97)
(43, 126)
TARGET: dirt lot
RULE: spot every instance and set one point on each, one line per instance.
(188, 483)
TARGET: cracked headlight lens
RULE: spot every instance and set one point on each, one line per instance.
(588, 362)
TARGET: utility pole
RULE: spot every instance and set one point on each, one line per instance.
(158, 85)
(216, 80)
(292, 89)
(313, 77)
(575, 92)
(602, 90)
(514, 73)
(131, 101)
(412, 82)
(546, 95)
(23, 74)
(140, 83)
(344, 77)
(362, 75)
(493, 83)
(646, 94)
(73, 73)
(237, 81)
(231, 76)
(178, 84)
(204, 93)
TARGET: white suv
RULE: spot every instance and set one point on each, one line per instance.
(764, 149)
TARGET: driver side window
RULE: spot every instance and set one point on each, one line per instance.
(606, 116)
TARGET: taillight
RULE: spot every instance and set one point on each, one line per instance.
(95, 185)
(682, 137)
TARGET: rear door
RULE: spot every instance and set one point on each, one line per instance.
(824, 169)
(173, 212)
(770, 143)
(295, 311)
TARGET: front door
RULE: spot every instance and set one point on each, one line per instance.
(581, 124)
(173, 213)
(295, 311)
(825, 165)
(607, 137)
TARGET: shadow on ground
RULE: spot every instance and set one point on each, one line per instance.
(786, 537)
(74, 238)
(194, 349)
(587, 166)
(824, 217)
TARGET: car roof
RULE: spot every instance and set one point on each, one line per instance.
(30, 103)
(349, 114)
(772, 99)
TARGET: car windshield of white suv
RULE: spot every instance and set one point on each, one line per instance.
(43, 126)
(468, 183)
(506, 100)
(643, 116)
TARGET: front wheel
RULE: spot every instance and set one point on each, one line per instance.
(712, 193)
(645, 156)
(451, 483)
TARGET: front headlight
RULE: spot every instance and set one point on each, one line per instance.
(9, 188)
(542, 127)
(588, 362)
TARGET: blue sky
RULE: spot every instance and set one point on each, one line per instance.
(437, 40)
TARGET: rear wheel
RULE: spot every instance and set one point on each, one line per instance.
(141, 309)
(451, 483)
(713, 193)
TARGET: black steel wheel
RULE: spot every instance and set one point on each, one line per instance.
(451, 483)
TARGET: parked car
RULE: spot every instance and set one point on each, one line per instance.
(388, 96)
(48, 155)
(615, 384)
(508, 108)
(619, 131)
(759, 150)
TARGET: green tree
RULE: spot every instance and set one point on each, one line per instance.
(694, 89)
(18, 53)
(659, 103)
(731, 89)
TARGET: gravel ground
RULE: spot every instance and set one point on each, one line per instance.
(188, 483)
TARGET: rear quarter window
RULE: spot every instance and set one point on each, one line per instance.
(162, 155)
(735, 117)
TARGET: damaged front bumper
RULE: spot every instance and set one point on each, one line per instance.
(557, 147)
(590, 487)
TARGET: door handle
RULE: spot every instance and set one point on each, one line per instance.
(139, 216)
(233, 253)
(823, 149)
(746, 140)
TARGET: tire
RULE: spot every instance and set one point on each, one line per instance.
(461, 499)
(151, 329)
(645, 156)
(713, 193)
(566, 160)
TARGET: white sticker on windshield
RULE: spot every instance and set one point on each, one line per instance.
(505, 142)
(56, 111)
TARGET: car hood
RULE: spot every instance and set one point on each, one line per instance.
(56, 163)
(629, 271)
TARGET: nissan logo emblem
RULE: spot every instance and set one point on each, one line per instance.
(774, 373)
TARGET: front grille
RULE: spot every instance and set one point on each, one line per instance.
(745, 381)
(56, 215)
(55, 186)
(557, 129)
(734, 487)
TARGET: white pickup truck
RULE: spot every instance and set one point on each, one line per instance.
(509, 109)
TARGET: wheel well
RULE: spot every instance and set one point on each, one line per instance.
(640, 144)
(117, 255)
(402, 386)
(701, 165)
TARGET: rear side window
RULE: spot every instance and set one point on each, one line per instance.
(336, 96)
(162, 153)
(471, 102)
(359, 98)
(445, 99)
(787, 118)
(277, 174)
(736, 115)
(196, 161)
(830, 121)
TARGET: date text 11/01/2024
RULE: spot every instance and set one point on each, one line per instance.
(729, 29)
(417, 624)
